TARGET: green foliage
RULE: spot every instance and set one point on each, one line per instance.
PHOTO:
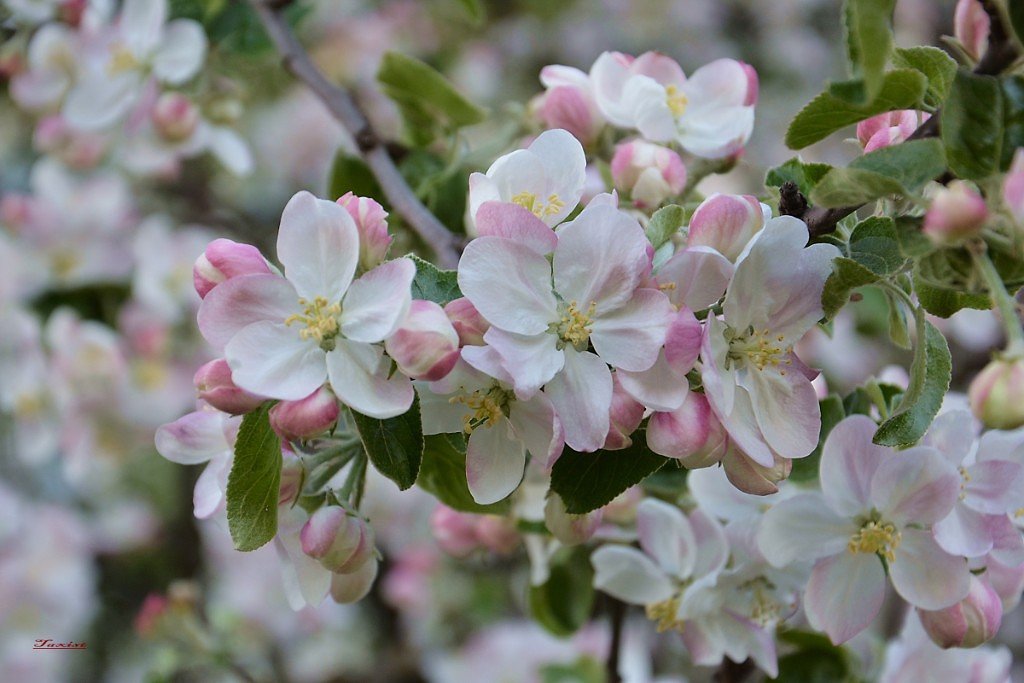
(432, 283)
(583, 670)
(938, 67)
(430, 105)
(805, 175)
(233, 26)
(816, 660)
(944, 283)
(443, 473)
(665, 222)
(563, 603)
(869, 41)
(394, 445)
(898, 169)
(254, 483)
(972, 125)
(351, 174)
(847, 275)
(929, 381)
(475, 10)
(1012, 89)
(441, 186)
(826, 113)
(587, 481)
(832, 413)
(1015, 12)
(873, 244)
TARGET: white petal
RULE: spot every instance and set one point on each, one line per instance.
(306, 582)
(495, 460)
(963, 532)
(915, 486)
(630, 576)
(538, 427)
(95, 103)
(211, 487)
(665, 534)
(658, 388)
(181, 52)
(630, 337)
(849, 460)
(231, 149)
(927, 576)
(582, 395)
(270, 359)
(531, 361)
(700, 275)
(802, 528)
(377, 303)
(194, 438)
(318, 245)
(359, 377)
(141, 24)
(786, 408)
(844, 594)
(241, 301)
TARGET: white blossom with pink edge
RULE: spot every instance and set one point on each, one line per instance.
(872, 514)
(545, 314)
(756, 385)
(283, 336)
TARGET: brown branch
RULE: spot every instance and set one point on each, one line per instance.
(731, 672)
(1001, 53)
(617, 617)
(372, 149)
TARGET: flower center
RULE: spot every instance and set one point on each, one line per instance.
(121, 60)
(536, 206)
(759, 349)
(575, 326)
(488, 407)
(676, 100)
(664, 613)
(28, 406)
(965, 479)
(320, 319)
(876, 536)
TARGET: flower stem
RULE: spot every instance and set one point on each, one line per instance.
(1001, 299)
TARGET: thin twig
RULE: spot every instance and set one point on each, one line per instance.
(617, 617)
(731, 672)
(372, 149)
(1001, 53)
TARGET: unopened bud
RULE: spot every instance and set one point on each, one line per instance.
(354, 586)
(292, 476)
(997, 394)
(569, 103)
(497, 534)
(971, 26)
(957, 212)
(890, 128)
(468, 322)
(223, 260)
(753, 86)
(625, 417)
(691, 433)
(175, 117)
(214, 385)
(751, 477)
(454, 531)
(568, 528)
(649, 173)
(371, 221)
(970, 622)
(425, 346)
(307, 417)
(726, 222)
(341, 542)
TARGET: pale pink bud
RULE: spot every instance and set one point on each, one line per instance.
(341, 542)
(175, 117)
(468, 322)
(753, 86)
(971, 26)
(425, 346)
(307, 417)
(750, 477)
(75, 148)
(214, 385)
(691, 433)
(1013, 187)
(726, 222)
(225, 259)
(625, 416)
(569, 103)
(957, 212)
(970, 622)
(649, 173)
(148, 617)
(454, 531)
(890, 128)
(497, 534)
(293, 474)
(568, 528)
(356, 585)
(997, 394)
(371, 221)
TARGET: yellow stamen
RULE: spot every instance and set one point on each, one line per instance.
(488, 407)
(576, 325)
(320, 319)
(538, 208)
(760, 349)
(676, 99)
(965, 479)
(878, 537)
(664, 613)
(121, 60)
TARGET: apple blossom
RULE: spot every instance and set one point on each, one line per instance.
(341, 542)
(208, 436)
(971, 26)
(626, 415)
(648, 173)
(913, 658)
(996, 394)
(224, 259)
(691, 433)
(371, 222)
(888, 129)
(1013, 187)
(726, 223)
(307, 417)
(354, 586)
(568, 103)
(970, 622)
(283, 336)
(957, 213)
(214, 386)
(425, 346)
(468, 322)
(568, 528)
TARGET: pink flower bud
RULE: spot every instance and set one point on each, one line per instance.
(971, 26)
(371, 221)
(307, 417)
(626, 415)
(957, 212)
(356, 585)
(568, 528)
(750, 477)
(997, 394)
(148, 617)
(454, 531)
(569, 103)
(497, 534)
(969, 623)
(425, 345)
(292, 476)
(175, 117)
(341, 542)
(753, 86)
(76, 149)
(1013, 187)
(691, 433)
(649, 173)
(468, 322)
(214, 384)
(726, 222)
(225, 259)
(887, 129)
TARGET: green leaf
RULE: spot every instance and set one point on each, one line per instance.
(432, 283)
(429, 103)
(394, 445)
(899, 333)
(847, 275)
(944, 283)
(972, 125)
(873, 244)
(851, 187)
(826, 113)
(665, 222)
(898, 169)
(351, 174)
(475, 10)
(443, 473)
(832, 413)
(805, 175)
(816, 660)
(869, 40)
(254, 483)
(1015, 12)
(937, 66)
(583, 670)
(912, 242)
(929, 380)
(563, 603)
(587, 481)
(1013, 117)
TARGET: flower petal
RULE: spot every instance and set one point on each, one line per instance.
(181, 52)
(995, 487)
(359, 377)
(666, 535)
(538, 427)
(270, 359)
(243, 300)
(700, 275)
(582, 395)
(511, 221)
(318, 245)
(630, 336)
(963, 532)
(786, 407)
(531, 361)
(658, 388)
(495, 460)
(194, 438)
(849, 460)
(630, 576)
(925, 575)
(917, 485)
(844, 594)
(377, 303)
(211, 487)
(802, 528)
